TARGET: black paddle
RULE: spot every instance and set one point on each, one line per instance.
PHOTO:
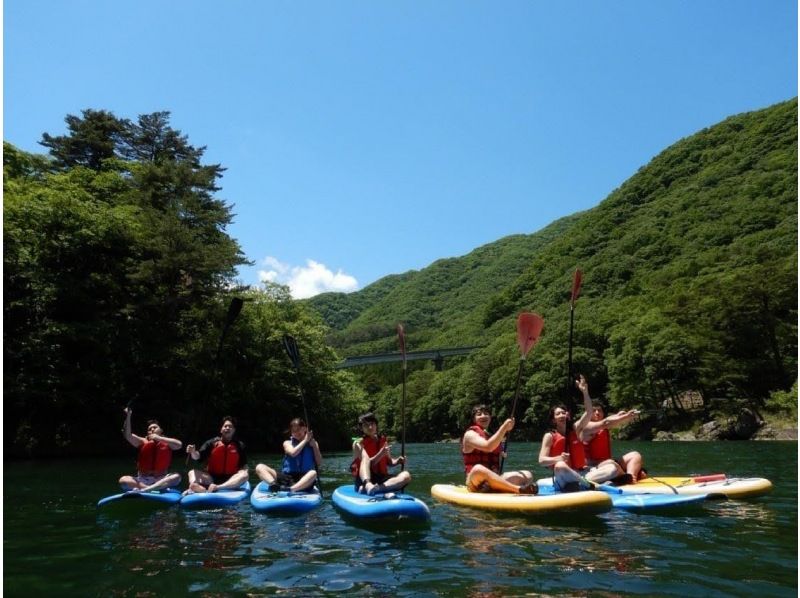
(234, 309)
(576, 289)
(290, 345)
(529, 327)
(402, 338)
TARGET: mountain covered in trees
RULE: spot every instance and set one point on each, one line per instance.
(119, 272)
(689, 285)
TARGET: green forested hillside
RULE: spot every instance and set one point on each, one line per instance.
(690, 283)
(437, 302)
(118, 272)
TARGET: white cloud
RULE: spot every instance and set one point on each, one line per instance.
(306, 281)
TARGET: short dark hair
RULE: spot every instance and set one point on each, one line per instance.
(228, 418)
(368, 417)
(150, 422)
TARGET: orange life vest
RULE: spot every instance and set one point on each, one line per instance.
(154, 457)
(599, 448)
(372, 446)
(224, 459)
(577, 458)
(491, 460)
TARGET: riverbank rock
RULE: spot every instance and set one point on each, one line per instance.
(663, 435)
(710, 431)
(768, 432)
(744, 427)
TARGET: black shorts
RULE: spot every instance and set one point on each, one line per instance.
(377, 478)
(220, 479)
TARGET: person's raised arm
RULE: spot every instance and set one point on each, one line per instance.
(132, 438)
(474, 440)
(586, 416)
(293, 451)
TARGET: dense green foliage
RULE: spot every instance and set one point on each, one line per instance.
(118, 271)
(690, 284)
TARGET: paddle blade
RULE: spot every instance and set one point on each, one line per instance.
(233, 310)
(529, 327)
(290, 345)
(576, 285)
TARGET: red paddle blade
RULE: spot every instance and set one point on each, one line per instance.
(529, 327)
(401, 335)
(576, 285)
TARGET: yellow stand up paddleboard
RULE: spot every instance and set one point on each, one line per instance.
(589, 501)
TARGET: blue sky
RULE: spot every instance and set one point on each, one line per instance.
(363, 139)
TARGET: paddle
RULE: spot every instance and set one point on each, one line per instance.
(576, 289)
(234, 309)
(401, 335)
(529, 327)
(290, 345)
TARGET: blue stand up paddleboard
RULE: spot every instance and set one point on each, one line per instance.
(643, 502)
(159, 498)
(214, 500)
(633, 502)
(284, 502)
(363, 506)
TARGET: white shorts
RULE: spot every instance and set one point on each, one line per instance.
(149, 480)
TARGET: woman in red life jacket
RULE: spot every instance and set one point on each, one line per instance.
(597, 445)
(563, 450)
(226, 461)
(482, 454)
(155, 456)
(372, 460)
(301, 461)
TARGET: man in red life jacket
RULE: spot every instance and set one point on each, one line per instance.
(226, 461)
(597, 444)
(482, 453)
(562, 450)
(155, 456)
(372, 460)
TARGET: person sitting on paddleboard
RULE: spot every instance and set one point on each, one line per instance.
(155, 456)
(567, 457)
(226, 461)
(482, 454)
(370, 467)
(301, 461)
(597, 446)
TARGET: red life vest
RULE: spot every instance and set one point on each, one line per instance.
(372, 446)
(154, 458)
(224, 459)
(577, 458)
(491, 460)
(599, 448)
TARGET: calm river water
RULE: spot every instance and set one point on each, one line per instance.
(56, 542)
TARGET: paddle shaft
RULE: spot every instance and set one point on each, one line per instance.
(403, 420)
(234, 309)
(290, 345)
(513, 409)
